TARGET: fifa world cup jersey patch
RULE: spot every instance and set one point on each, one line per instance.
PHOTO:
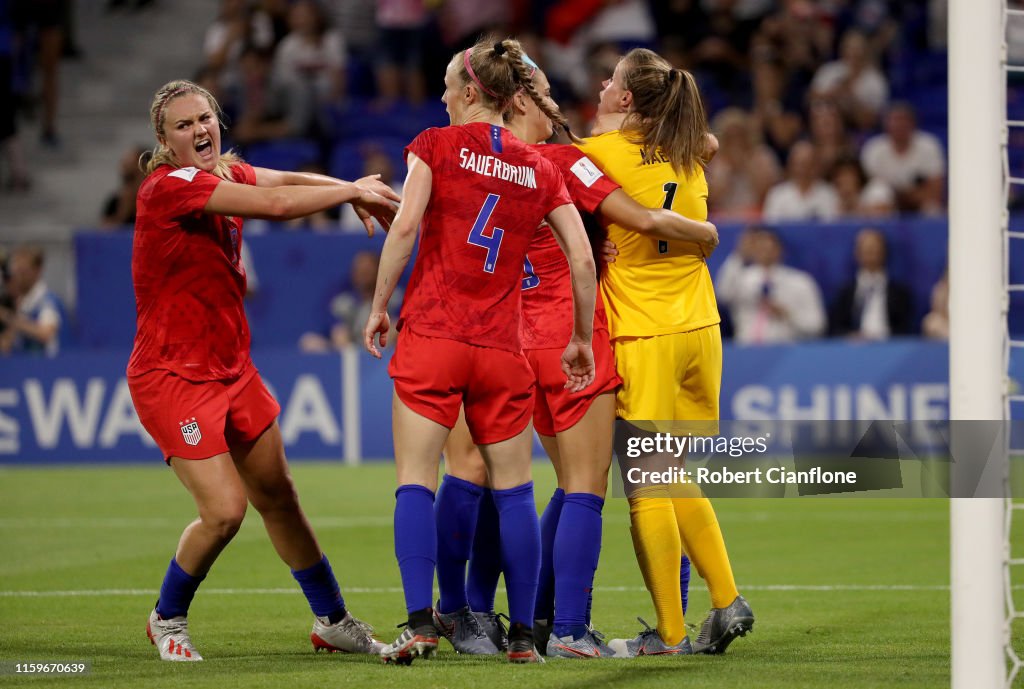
(586, 171)
(190, 431)
(186, 173)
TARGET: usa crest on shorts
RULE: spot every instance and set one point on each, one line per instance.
(190, 431)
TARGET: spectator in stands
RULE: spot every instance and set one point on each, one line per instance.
(11, 152)
(777, 100)
(723, 48)
(910, 160)
(800, 33)
(769, 303)
(351, 308)
(804, 195)
(265, 106)
(744, 169)
(936, 323)
(45, 20)
(854, 82)
(402, 25)
(357, 22)
(312, 55)
(828, 133)
(119, 208)
(872, 306)
(236, 28)
(33, 326)
(860, 197)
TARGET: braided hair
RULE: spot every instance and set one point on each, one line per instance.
(524, 71)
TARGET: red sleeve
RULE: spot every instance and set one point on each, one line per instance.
(424, 146)
(551, 178)
(244, 173)
(185, 191)
(587, 184)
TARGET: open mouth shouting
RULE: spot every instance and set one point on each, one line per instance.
(204, 149)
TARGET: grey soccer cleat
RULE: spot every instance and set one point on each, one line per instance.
(722, 625)
(421, 641)
(648, 643)
(492, 625)
(541, 633)
(590, 645)
(348, 635)
(464, 632)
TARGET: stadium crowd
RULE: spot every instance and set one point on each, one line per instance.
(827, 110)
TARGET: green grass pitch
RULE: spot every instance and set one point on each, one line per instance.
(847, 593)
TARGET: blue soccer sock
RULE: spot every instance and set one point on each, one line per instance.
(684, 581)
(321, 590)
(545, 606)
(456, 508)
(177, 591)
(485, 560)
(577, 548)
(520, 549)
(416, 544)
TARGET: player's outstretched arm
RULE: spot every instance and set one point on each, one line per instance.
(265, 177)
(289, 202)
(658, 223)
(578, 358)
(397, 251)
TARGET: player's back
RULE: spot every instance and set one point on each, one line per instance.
(654, 287)
(490, 193)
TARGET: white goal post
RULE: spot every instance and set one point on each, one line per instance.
(977, 362)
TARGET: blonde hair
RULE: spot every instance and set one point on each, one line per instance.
(667, 113)
(161, 154)
(500, 72)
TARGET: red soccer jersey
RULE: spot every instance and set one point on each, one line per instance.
(188, 276)
(490, 193)
(547, 282)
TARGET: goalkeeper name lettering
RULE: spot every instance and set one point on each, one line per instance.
(489, 166)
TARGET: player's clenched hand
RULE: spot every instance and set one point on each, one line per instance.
(609, 251)
(377, 323)
(578, 366)
(709, 244)
(376, 200)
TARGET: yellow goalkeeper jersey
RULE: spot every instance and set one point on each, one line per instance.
(654, 287)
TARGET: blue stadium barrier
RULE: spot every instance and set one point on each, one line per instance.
(77, 409)
(300, 272)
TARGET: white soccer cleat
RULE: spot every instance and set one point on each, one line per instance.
(171, 638)
(348, 635)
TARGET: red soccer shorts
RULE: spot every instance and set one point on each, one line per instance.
(199, 420)
(434, 376)
(555, 408)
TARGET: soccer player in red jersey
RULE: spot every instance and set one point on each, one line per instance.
(575, 428)
(192, 380)
(481, 195)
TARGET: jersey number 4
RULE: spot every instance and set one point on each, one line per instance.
(670, 195)
(491, 242)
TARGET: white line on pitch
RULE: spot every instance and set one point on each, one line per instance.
(393, 589)
(157, 522)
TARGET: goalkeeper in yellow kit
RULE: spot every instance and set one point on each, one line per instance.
(650, 136)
